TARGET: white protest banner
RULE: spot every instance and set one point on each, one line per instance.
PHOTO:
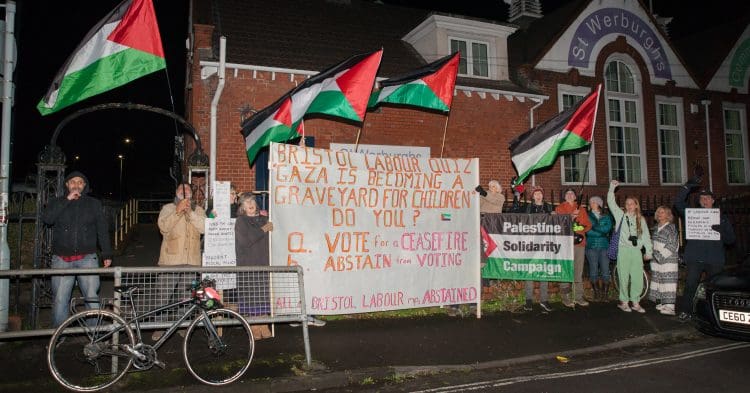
(218, 250)
(535, 247)
(373, 232)
(698, 224)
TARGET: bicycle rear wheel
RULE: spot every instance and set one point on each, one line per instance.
(85, 355)
(222, 358)
(646, 282)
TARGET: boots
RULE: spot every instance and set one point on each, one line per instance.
(596, 287)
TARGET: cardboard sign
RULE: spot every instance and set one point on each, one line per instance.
(698, 224)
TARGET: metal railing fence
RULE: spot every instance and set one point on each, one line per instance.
(261, 294)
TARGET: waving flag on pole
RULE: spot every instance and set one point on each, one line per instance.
(341, 91)
(429, 87)
(122, 47)
(572, 129)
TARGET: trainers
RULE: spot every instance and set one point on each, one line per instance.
(545, 306)
(684, 317)
(660, 306)
(637, 308)
(623, 306)
(527, 306)
(582, 302)
(315, 322)
(667, 309)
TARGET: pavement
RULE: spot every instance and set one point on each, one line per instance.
(348, 351)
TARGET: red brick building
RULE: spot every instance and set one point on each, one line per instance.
(663, 102)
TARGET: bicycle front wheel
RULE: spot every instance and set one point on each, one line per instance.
(85, 353)
(218, 347)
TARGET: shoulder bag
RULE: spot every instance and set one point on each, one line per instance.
(614, 242)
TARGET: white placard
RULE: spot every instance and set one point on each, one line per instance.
(374, 232)
(218, 250)
(221, 199)
(698, 224)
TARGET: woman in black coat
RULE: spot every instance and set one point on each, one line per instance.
(251, 248)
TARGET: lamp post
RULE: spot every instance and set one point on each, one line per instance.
(121, 158)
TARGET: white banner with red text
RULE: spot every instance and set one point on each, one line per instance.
(375, 233)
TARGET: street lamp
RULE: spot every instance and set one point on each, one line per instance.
(121, 158)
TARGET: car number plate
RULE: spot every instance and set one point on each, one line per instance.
(734, 316)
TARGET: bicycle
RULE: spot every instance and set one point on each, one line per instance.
(93, 349)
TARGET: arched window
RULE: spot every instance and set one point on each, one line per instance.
(624, 121)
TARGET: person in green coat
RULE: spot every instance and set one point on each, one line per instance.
(634, 236)
(597, 244)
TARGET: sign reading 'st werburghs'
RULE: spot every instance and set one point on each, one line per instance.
(529, 247)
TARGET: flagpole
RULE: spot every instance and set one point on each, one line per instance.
(356, 143)
(593, 128)
(445, 131)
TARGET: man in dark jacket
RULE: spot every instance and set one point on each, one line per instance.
(701, 255)
(77, 223)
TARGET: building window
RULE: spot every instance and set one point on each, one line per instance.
(474, 59)
(576, 167)
(671, 141)
(624, 124)
(735, 145)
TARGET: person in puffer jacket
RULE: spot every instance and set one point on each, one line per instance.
(597, 244)
(77, 222)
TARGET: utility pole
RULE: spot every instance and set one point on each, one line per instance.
(7, 98)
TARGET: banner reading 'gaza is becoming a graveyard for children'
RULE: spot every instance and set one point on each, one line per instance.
(535, 247)
(375, 232)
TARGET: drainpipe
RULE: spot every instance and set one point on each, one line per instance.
(706, 103)
(531, 125)
(214, 106)
(7, 98)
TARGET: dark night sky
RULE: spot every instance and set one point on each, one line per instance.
(49, 30)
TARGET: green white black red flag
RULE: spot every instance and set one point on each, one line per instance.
(572, 129)
(122, 47)
(341, 91)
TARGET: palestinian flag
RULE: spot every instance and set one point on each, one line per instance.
(122, 47)
(429, 87)
(572, 129)
(341, 91)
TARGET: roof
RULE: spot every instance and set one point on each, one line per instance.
(706, 50)
(316, 34)
(527, 46)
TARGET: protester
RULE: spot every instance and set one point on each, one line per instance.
(537, 205)
(251, 232)
(489, 202)
(233, 201)
(492, 201)
(634, 237)
(181, 224)
(701, 255)
(663, 289)
(597, 244)
(77, 222)
(581, 225)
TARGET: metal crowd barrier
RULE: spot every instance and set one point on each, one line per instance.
(262, 294)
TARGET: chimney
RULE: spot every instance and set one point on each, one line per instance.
(523, 12)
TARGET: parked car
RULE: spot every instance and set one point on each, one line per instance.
(721, 305)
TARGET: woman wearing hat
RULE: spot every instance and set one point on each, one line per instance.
(581, 225)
